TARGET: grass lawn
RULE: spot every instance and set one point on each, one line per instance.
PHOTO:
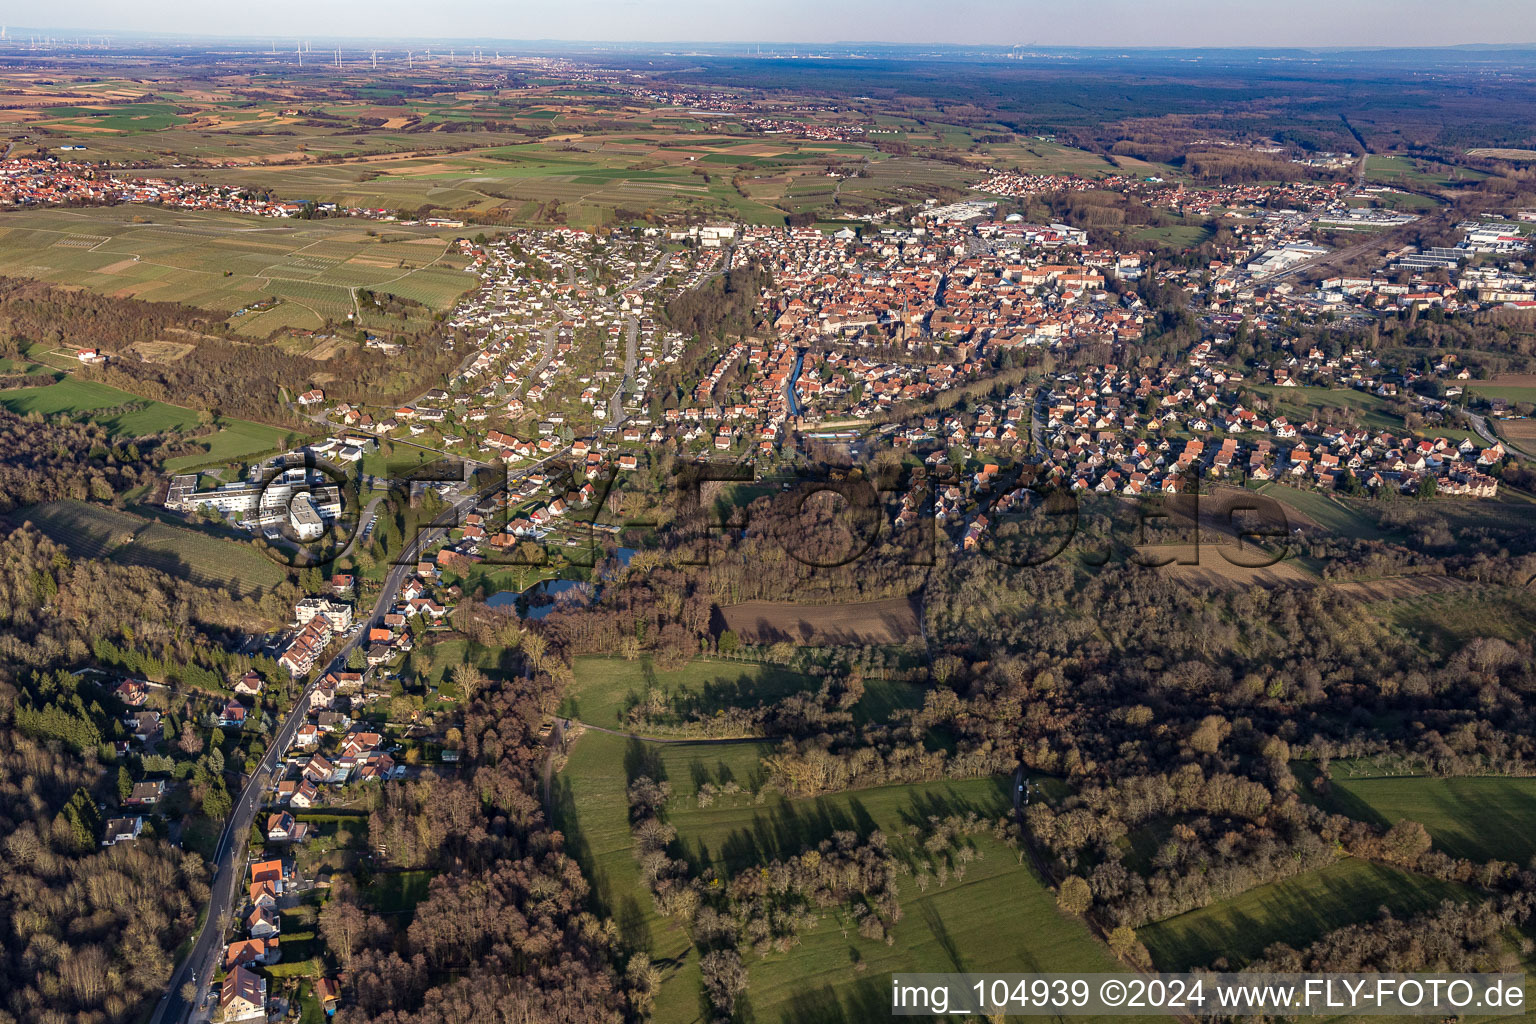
(397, 892)
(604, 688)
(234, 440)
(1297, 911)
(1480, 818)
(999, 918)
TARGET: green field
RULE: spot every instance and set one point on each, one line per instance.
(1509, 392)
(1332, 514)
(1479, 818)
(234, 440)
(1176, 236)
(1411, 173)
(81, 398)
(78, 397)
(1300, 403)
(1297, 911)
(1446, 621)
(95, 531)
(999, 918)
(604, 688)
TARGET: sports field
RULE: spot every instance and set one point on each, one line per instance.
(1297, 911)
(999, 918)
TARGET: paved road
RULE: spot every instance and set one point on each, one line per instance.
(1038, 421)
(653, 274)
(1480, 425)
(616, 403)
(551, 337)
(228, 872)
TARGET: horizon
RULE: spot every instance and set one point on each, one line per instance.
(67, 36)
(1115, 24)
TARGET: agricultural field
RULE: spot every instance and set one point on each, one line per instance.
(833, 974)
(1411, 173)
(95, 531)
(1218, 565)
(1480, 818)
(891, 621)
(604, 688)
(1297, 911)
(227, 262)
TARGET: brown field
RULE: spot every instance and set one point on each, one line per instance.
(1504, 154)
(160, 351)
(1398, 587)
(1508, 380)
(892, 621)
(1210, 568)
(327, 349)
(1518, 431)
(118, 267)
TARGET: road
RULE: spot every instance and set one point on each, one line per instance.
(227, 876)
(631, 354)
(1480, 426)
(551, 337)
(653, 274)
(1038, 421)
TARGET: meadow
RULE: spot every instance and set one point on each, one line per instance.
(605, 688)
(1297, 911)
(834, 974)
(1481, 817)
(231, 441)
(96, 531)
(80, 398)
(1446, 620)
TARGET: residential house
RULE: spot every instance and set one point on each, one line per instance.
(244, 996)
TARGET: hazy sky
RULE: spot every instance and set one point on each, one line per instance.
(1058, 22)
